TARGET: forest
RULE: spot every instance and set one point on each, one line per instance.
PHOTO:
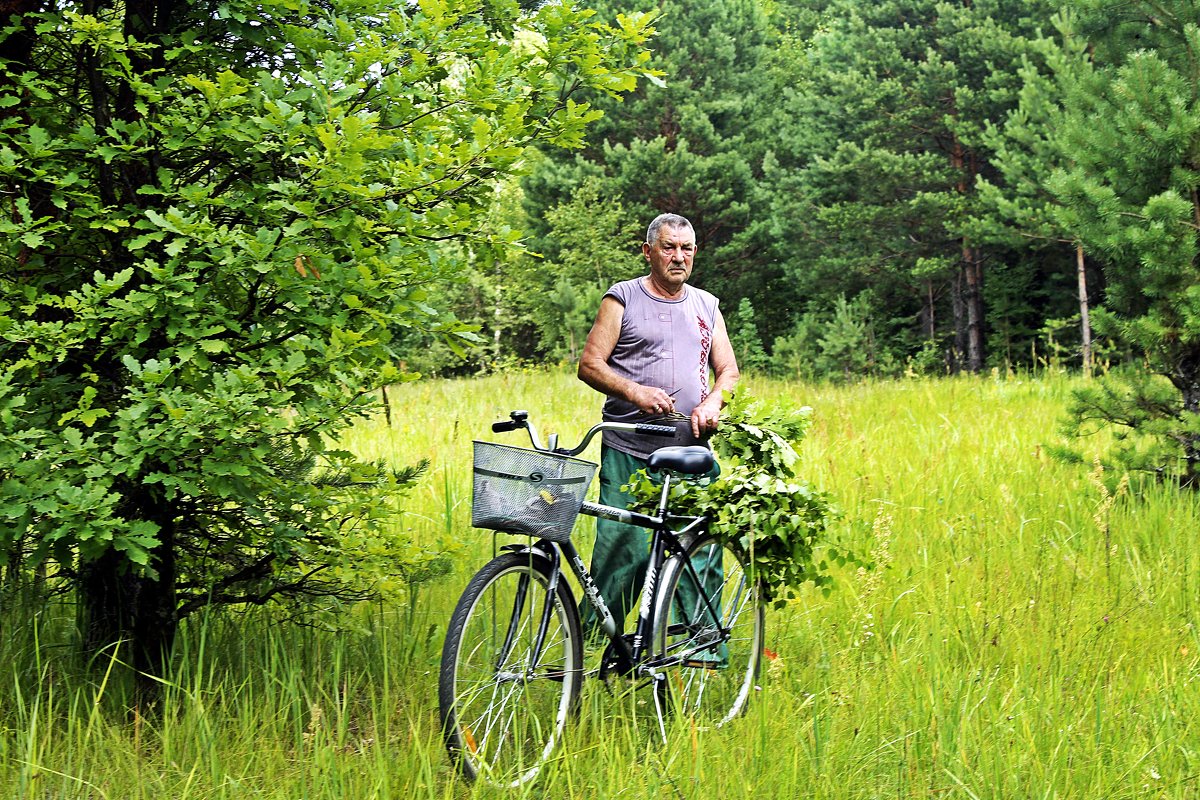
(266, 266)
(877, 188)
(886, 189)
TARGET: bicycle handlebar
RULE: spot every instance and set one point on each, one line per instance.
(520, 419)
(516, 420)
(650, 429)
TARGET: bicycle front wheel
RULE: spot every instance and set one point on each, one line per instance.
(709, 633)
(511, 670)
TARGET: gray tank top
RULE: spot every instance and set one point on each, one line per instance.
(663, 343)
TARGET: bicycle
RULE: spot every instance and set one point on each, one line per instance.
(512, 662)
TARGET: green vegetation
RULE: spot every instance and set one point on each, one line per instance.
(231, 227)
(759, 505)
(220, 219)
(896, 187)
(1029, 632)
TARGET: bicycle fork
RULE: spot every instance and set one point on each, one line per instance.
(516, 619)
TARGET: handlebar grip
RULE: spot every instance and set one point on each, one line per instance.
(517, 420)
(666, 431)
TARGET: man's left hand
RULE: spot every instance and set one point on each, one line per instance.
(705, 419)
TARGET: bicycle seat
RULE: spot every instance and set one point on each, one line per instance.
(691, 460)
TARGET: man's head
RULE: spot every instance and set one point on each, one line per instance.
(669, 248)
(666, 221)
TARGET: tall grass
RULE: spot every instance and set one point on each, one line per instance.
(1029, 631)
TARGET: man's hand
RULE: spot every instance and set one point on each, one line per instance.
(706, 416)
(652, 400)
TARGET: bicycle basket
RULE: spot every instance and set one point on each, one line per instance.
(525, 491)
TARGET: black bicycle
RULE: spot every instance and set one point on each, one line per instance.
(512, 664)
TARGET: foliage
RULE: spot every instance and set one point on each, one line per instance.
(745, 338)
(892, 154)
(927, 153)
(1149, 424)
(1016, 203)
(794, 355)
(1016, 206)
(592, 243)
(1127, 189)
(841, 345)
(221, 216)
(758, 504)
(881, 145)
(691, 143)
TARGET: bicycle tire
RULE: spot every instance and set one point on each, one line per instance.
(502, 717)
(711, 665)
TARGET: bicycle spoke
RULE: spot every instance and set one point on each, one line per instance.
(710, 633)
(504, 699)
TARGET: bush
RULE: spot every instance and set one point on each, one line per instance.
(758, 505)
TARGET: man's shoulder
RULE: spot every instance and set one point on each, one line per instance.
(706, 299)
(622, 291)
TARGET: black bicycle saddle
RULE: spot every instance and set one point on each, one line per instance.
(692, 460)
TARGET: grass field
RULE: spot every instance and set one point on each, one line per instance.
(1029, 632)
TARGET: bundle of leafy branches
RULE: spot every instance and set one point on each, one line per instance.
(758, 505)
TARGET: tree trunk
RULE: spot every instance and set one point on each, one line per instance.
(1085, 325)
(1186, 379)
(14, 565)
(956, 357)
(137, 612)
(497, 313)
(128, 611)
(969, 318)
(17, 47)
(927, 319)
(972, 271)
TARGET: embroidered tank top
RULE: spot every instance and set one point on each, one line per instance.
(663, 343)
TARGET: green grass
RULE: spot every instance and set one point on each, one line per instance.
(1025, 634)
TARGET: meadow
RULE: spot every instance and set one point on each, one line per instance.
(1029, 631)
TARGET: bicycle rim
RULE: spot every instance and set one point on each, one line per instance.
(504, 706)
(711, 650)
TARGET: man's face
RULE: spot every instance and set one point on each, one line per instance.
(670, 256)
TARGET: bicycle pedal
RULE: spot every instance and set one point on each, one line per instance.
(612, 663)
(614, 666)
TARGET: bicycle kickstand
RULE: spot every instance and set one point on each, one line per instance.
(659, 711)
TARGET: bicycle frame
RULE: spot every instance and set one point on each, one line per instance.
(631, 655)
(664, 542)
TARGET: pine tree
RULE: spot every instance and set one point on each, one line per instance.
(745, 338)
(878, 168)
(1131, 190)
(691, 144)
(1016, 208)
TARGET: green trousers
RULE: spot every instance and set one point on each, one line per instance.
(622, 552)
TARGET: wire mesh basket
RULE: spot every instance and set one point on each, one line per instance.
(518, 490)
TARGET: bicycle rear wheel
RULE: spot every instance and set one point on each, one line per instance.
(711, 650)
(511, 670)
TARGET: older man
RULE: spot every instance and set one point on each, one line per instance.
(651, 350)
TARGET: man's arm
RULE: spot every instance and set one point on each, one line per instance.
(706, 416)
(596, 373)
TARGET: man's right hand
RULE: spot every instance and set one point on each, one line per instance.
(652, 400)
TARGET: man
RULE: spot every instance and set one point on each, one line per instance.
(650, 351)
